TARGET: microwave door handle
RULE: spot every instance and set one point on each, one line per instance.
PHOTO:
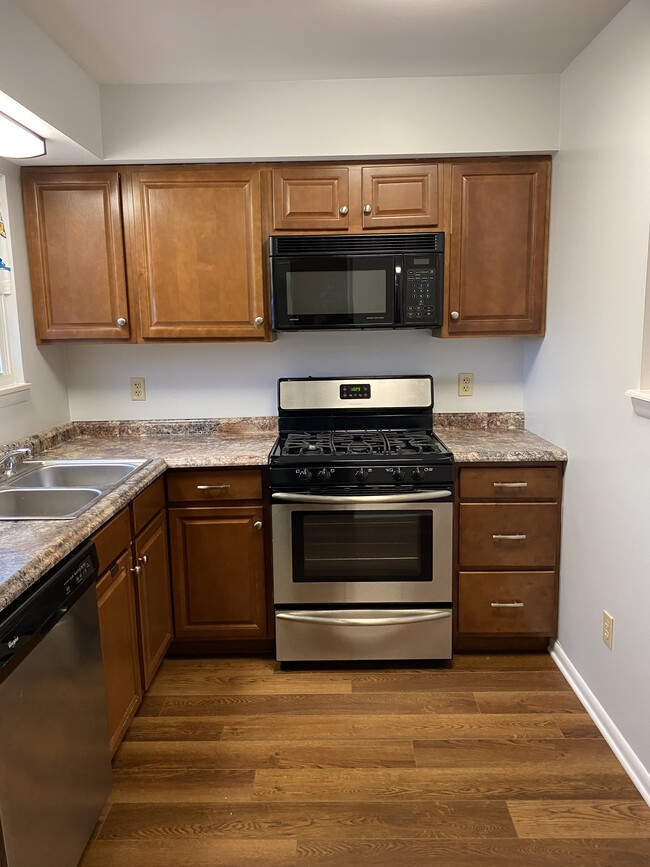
(419, 496)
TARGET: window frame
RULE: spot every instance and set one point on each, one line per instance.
(12, 380)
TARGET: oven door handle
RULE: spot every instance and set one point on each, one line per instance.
(332, 618)
(420, 496)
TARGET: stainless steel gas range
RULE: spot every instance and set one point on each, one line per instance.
(362, 501)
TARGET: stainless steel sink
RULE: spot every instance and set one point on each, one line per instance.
(21, 504)
(60, 489)
(73, 474)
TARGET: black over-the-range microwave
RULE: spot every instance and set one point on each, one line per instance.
(357, 281)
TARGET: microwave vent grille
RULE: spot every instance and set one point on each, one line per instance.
(314, 245)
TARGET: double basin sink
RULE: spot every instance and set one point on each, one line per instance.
(44, 490)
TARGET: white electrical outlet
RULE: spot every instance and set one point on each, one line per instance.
(138, 391)
(465, 384)
(608, 629)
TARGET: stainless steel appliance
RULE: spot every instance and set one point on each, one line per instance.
(55, 771)
(357, 281)
(362, 495)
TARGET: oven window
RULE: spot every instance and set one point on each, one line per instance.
(379, 545)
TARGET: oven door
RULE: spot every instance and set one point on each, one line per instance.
(336, 291)
(348, 550)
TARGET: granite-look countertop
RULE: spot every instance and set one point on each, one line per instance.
(28, 549)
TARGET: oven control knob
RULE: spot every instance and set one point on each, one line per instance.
(361, 475)
(416, 475)
(304, 475)
(398, 475)
(325, 475)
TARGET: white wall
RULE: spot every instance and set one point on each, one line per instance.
(46, 405)
(190, 381)
(293, 119)
(576, 377)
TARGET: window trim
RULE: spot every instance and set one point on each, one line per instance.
(12, 382)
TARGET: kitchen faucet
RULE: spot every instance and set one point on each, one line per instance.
(7, 459)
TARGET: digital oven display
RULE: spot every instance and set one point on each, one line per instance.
(355, 392)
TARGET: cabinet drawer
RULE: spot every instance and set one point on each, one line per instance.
(515, 535)
(112, 539)
(506, 602)
(510, 483)
(147, 504)
(214, 486)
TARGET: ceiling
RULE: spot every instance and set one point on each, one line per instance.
(201, 41)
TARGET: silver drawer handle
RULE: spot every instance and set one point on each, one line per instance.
(213, 487)
(143, 560)
(507, 604)
(510, 484)
(512, 537)
(330, 619)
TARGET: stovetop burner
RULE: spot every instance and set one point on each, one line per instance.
(345, 443)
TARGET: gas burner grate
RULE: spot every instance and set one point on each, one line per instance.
(360, 442)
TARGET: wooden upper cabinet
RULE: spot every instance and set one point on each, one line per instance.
(354, 198)
(76, 255)
(195, 253)
(400, 196)
(311, 197)
(498, 246)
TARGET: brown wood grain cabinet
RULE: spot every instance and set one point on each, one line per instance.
(76, 255)
(169, 253)
(497, 247)
(134, 601)
(194, 252)
(355, 198)
(153, 593)
(218, 555)
(507, 556)
(118, 629)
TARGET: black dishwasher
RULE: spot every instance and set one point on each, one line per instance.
(55, 772)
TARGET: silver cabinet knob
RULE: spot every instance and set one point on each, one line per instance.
(121, 321)
(259, 320)
(258, 525)
(455, 315)
(144, 560)
(367, 209)
(136, 570)
(343, 210)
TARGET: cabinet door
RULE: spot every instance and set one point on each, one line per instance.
(153, 588)
(76, 255)
(119, 636)
(498, 247)
(218, 572)
(311, 197)
(195, 253)
(400, 196)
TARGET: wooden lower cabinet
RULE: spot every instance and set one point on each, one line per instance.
(218, 572)
(134, 601)
(120, 648)
(218, 558)
(507, 557)
(153, 591)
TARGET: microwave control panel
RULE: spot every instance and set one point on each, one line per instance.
(421, 291)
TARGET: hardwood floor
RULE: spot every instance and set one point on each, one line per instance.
(493, 761)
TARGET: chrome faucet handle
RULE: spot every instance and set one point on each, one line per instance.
(7, 459)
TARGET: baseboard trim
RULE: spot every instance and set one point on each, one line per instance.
(632, 765)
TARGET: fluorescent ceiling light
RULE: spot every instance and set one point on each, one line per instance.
(18, 142)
